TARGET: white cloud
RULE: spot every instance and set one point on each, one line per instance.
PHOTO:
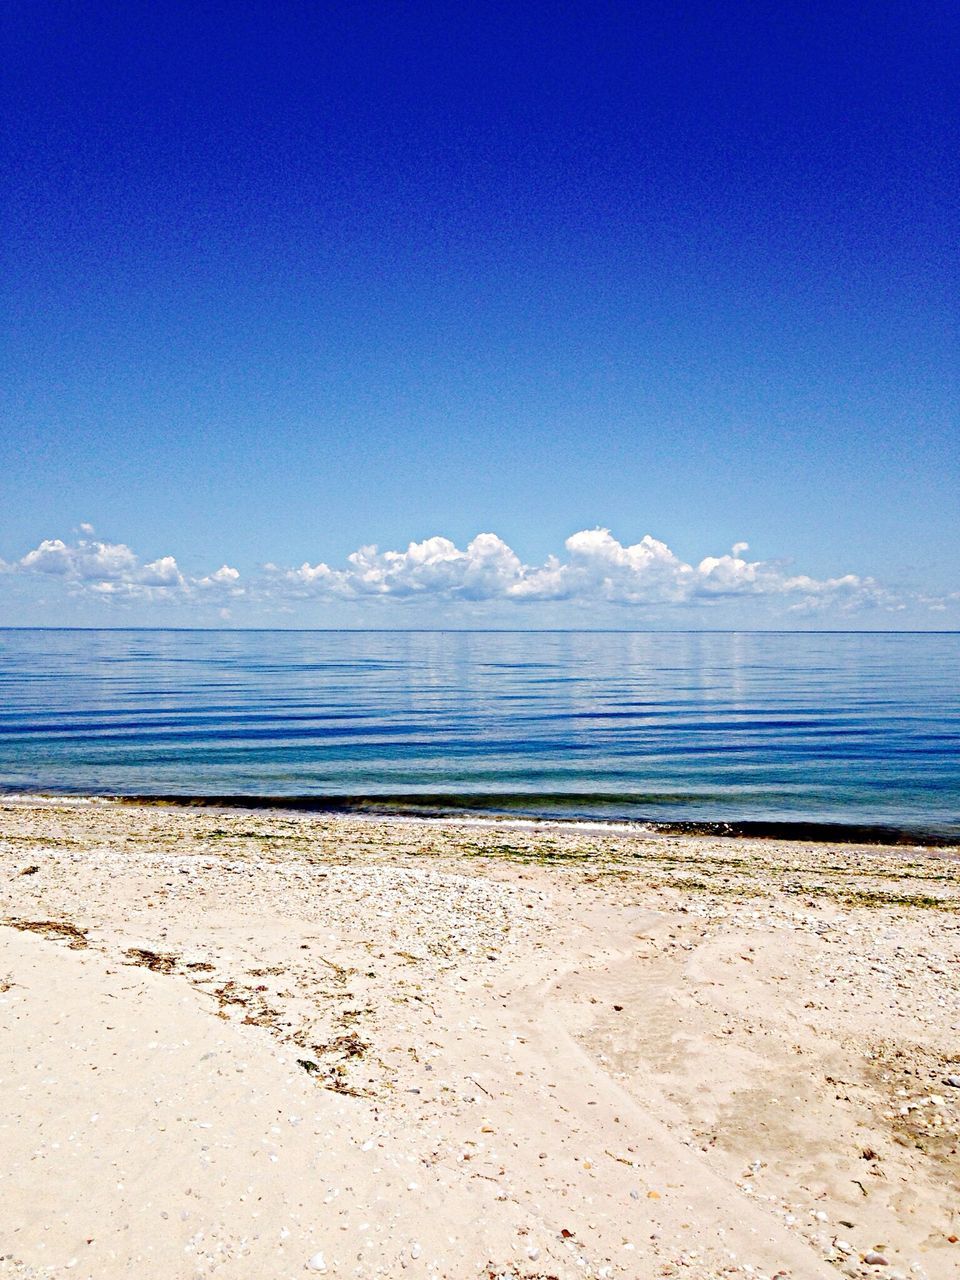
(485, 570)
(112, 570)
(84, 561)
(601, 568)
(224, 577)
(595, 569)
(161, 573)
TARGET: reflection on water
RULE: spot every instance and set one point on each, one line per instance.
(709, 727)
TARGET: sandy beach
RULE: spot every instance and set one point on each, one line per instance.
(271, 1045)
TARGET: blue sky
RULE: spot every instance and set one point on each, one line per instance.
(285, 281)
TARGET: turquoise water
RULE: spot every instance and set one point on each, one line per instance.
(853, 729)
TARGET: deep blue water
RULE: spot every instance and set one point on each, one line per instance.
(860, 729)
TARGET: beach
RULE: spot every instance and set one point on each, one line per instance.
(272, 1044)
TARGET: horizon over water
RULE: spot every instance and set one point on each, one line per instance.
(755, 730)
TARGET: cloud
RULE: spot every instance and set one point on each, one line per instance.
(594, 569)
(112, 570)
(601, 568)
(486, 570)
(436, 567)
(82, 561)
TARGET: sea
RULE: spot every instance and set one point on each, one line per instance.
(802, 733)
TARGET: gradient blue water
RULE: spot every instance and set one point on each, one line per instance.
(672, 726)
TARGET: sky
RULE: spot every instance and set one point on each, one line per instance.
(576, 314)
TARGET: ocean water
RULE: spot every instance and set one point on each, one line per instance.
(860, 730)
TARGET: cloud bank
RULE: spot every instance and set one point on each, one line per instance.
(594, 569)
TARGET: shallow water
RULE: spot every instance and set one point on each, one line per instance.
(848, 728)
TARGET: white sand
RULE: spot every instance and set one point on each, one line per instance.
(531, 1052)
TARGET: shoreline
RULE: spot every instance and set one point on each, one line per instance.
(518, 808)
(269, 1043)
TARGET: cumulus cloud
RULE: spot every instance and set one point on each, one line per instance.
(112, 570)
(601, 568)
(595, 568)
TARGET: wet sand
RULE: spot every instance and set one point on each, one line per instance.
(278, 1044)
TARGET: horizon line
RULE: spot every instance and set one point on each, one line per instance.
(843, 631)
